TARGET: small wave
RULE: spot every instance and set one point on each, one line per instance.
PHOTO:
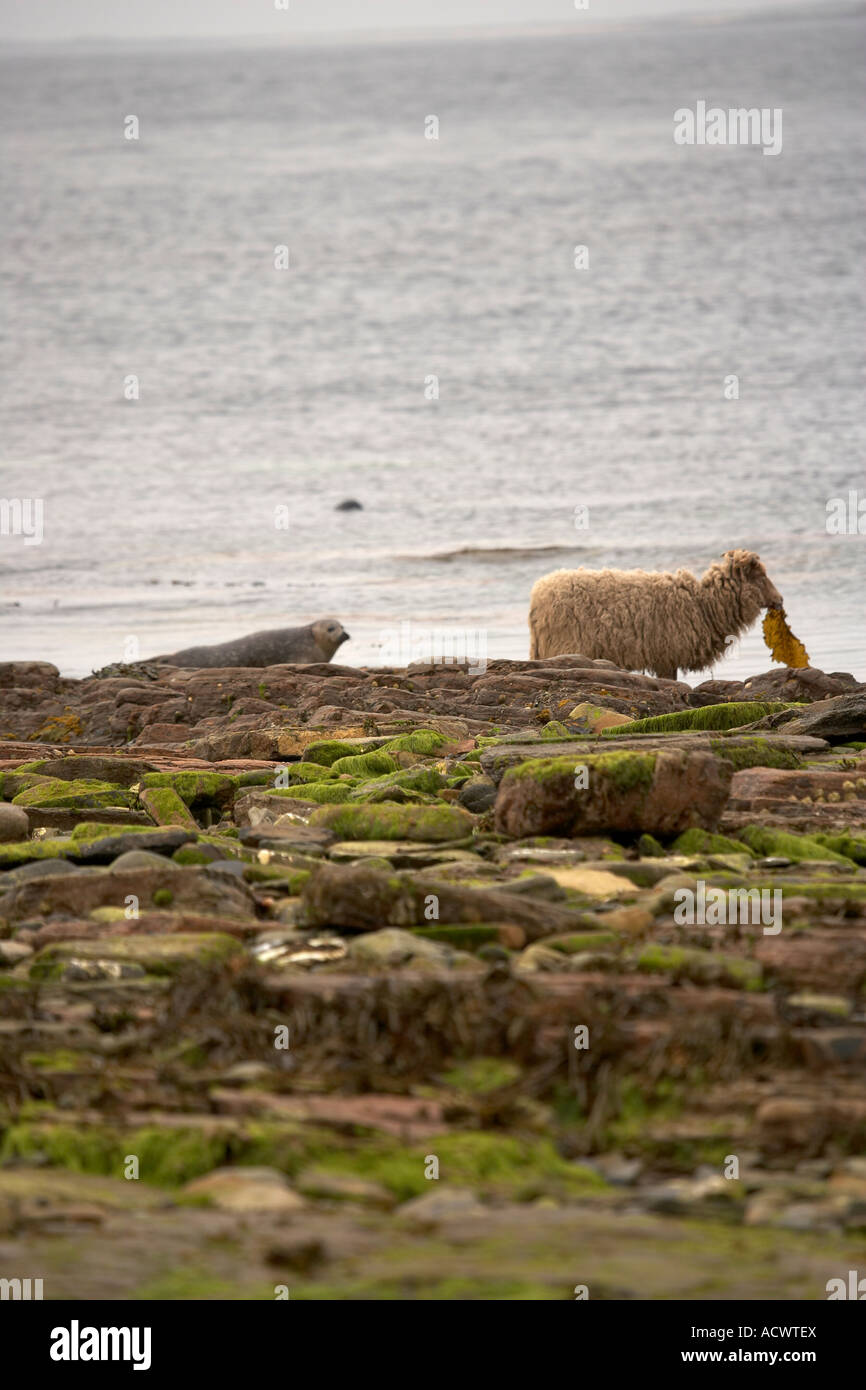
(491, 552)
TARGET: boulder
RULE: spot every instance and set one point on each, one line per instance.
(14, 823)
(661, 793)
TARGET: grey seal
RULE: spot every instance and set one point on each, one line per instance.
(299, 646)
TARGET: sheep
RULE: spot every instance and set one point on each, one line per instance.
(661, 623)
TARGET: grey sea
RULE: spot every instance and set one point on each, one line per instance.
(431, 349)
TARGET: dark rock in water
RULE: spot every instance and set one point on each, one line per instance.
(349, 505)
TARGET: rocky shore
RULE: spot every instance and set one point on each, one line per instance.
(383, 984)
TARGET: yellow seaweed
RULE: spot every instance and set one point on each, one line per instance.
(783, 645)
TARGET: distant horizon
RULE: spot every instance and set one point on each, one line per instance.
(293, 29)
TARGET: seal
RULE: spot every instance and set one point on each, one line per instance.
(298, 646)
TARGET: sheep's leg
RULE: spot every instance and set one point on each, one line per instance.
(667, 673)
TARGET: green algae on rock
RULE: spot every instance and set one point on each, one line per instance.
(81, 794)
(195, 788)
(165, 807)
(299, 772)
(389, 821)
(326, 751)
(660, 793)
(364, 765)
(418, 779)
(427, 742)
(328, 791)
(158, 955)
(787, 845)
(697, 841)
(725, 716)
(755, 752)
(700, 966)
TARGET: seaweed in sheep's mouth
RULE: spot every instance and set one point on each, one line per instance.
(783, 645)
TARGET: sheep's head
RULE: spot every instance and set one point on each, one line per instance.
(747, 568)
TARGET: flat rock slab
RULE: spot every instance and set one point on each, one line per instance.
(361, 899)
(58, 819)
(157, 955)
(97, 851)
(101, 767)
(78, 893)
(839, 718)
(497, 760)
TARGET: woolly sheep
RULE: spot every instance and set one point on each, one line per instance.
(661, 623)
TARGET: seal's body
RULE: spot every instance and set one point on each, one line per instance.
(299, 646)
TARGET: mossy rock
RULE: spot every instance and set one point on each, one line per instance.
(88, 832)
(158, 955)
(417, 779)
(190, 855)
(167, 1157)
(328, 750)
(195, 788)
(61, 1060)
(648, 847)
(364, 765)
(85, 836)
(25, 851)
(480, 1076)
(423, 741)
(701, 967)
(726, 716)
(555, 729)
(706, 842)
(317, 791)
(293, 773)
(257, 777)
(755, 752)
(107, 914)
(576, 942)
(165, 807)
(11, 783)
(82, 794)
(787, 845)
(850, 846)
(226, 841)
(389, 821)
(626, 770)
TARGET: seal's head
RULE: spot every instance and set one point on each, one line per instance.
(748, 570)
(328, 635)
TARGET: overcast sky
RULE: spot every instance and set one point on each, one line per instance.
(61, 19)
